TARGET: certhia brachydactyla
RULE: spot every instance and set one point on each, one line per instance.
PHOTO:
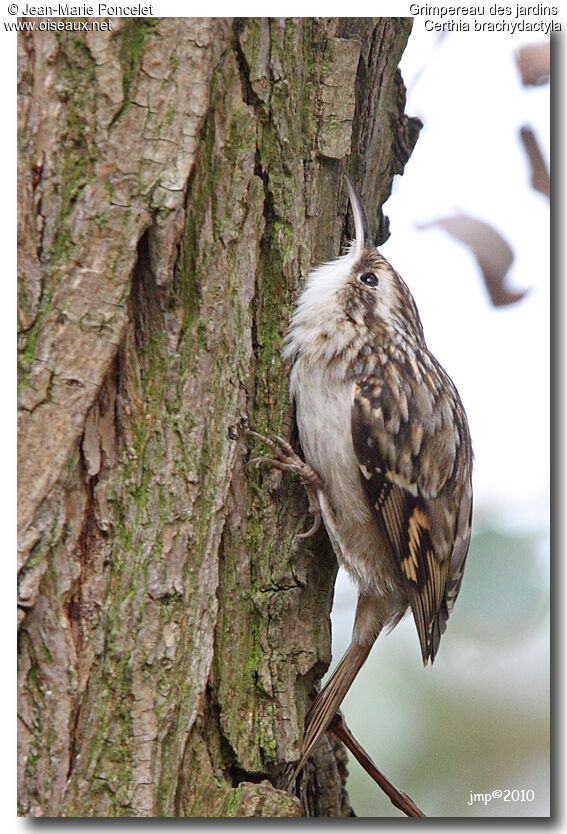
(387, 450)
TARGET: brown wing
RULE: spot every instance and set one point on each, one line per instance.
(418, 484)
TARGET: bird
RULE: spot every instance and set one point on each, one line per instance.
(386, 454)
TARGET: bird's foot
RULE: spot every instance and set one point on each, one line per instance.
(284, 457)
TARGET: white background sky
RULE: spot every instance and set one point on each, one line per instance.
(469, 159)
(498, 358)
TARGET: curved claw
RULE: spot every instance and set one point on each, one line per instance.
(255, 434)
(277, 464)
(284, 444)
(257, 461)
(275, 443)
(267, 441)
(314, 527)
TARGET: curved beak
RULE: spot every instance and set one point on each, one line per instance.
(363, 235)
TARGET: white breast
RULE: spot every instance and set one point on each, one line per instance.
(323, 413)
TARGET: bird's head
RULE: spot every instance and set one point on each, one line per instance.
(358, 295)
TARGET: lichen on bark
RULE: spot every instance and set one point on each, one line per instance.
(178, 178)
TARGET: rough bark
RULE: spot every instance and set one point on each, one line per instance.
(178, 178)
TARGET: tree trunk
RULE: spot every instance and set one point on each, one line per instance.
(178, 179)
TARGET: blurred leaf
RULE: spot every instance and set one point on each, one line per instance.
(492, 252)
(533, 61)
(539, 173)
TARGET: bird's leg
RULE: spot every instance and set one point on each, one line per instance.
(284, 457)
(398, 798)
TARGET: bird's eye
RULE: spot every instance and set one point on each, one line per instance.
(370, 279)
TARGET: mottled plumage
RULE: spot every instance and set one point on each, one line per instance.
(384, 429)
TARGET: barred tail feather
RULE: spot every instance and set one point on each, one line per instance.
(328, 701)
